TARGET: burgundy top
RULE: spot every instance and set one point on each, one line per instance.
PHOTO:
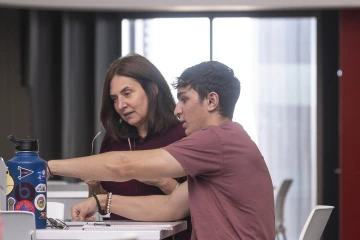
(134, 187)
(230, 189)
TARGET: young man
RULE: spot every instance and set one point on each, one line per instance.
(229, 190)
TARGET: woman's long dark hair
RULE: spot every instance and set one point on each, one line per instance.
(160, 116)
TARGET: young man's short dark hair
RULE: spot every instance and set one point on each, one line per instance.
(219, 78)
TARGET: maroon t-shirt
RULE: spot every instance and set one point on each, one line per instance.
(134, 187)
(230, 188)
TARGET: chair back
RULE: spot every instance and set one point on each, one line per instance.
(19, 225)
(280, 201)
(55, 210)
(316, 222)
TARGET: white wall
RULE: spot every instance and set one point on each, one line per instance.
(183, 5)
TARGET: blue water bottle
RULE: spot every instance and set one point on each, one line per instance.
(26, 180)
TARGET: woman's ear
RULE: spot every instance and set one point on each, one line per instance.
(213, 101)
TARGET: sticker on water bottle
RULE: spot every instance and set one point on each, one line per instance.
(11, 204)
(40, 202)
(9, 183)
(23, 172)
(40, 188)
(24, 191)
(42, 215)
(25, 205)
(41, 175)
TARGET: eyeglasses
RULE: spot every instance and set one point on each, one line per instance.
(57, 223)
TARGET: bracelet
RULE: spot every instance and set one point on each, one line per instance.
(108, 200)
(51, 175)
(98, 205)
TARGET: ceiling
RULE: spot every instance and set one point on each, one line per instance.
(181, 5)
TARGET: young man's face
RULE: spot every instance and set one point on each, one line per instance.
(191, 110)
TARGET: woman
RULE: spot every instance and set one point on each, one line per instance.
(137, 114)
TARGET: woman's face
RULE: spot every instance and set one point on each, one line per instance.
(130, 100)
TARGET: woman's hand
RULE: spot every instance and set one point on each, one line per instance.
(167, 185)
(153, 182)
(84, 210)
(94, 187)
(92, 183)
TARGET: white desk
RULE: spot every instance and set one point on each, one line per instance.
(76, 233)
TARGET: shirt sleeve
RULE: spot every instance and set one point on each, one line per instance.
(201, 153)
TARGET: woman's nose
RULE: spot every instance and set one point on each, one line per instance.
(121, 104)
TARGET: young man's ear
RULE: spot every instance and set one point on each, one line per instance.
(213, 101)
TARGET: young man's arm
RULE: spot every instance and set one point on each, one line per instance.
(120, 166)
(144, 208)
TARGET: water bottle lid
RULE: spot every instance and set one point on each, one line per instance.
(30, 145)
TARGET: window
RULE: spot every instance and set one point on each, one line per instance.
(172, 44)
